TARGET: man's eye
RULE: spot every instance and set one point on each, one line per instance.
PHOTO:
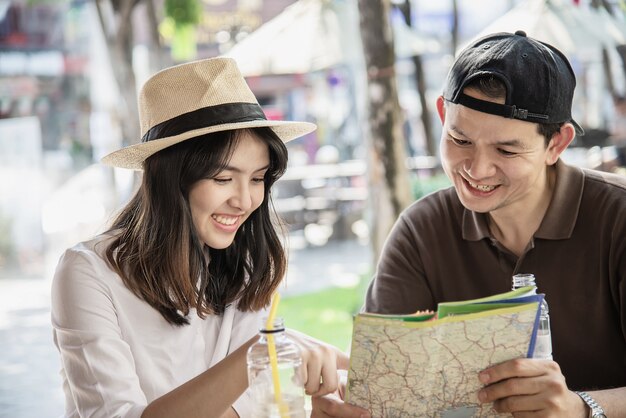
(460, 141)
(506, 153)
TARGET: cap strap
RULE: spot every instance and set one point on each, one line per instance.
(511, 112)
(205, 117)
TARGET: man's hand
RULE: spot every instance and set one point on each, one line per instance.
(332, 406)
(530, 386)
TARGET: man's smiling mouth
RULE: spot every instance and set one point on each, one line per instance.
(481, 187)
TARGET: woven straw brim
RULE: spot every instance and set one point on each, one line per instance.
(133, 156)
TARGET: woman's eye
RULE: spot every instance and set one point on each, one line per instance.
(258, 179)
(221, 180)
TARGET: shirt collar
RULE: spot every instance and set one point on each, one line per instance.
(560, 218)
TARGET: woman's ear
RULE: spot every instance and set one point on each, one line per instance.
(441, 109)
(559, 141)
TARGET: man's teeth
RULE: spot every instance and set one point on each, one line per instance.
(482, 188)
(225, 220)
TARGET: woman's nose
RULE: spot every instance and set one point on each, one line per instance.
(241, 198)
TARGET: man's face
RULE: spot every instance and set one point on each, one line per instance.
(496, 164)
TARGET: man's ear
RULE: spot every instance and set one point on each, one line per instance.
(559, 142)
(441, 108)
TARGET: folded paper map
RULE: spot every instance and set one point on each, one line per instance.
(427, 364)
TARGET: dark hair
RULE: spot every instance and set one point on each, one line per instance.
(494, 88)
(158, 254)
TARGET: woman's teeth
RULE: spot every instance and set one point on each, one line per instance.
(482, 188)
(225, 220)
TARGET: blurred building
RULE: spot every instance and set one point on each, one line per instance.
(43, 63)
(59, 112)
(44, 114)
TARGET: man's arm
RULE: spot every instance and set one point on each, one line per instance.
(399, 286)
(613, 401)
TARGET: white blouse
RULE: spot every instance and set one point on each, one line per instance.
(117, 352)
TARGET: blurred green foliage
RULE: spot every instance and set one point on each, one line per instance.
(6, 240)
(421, 187)
(179, 28)
(184, 12)
(325, 315)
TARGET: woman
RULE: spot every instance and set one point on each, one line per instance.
(153, 318)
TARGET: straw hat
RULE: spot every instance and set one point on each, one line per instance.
(193, 99)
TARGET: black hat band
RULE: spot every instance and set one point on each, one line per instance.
(498, 109)
(205, 117)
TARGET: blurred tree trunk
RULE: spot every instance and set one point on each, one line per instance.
(156, 51)
(115, 20)
(455, 27)
(388, 177)
(420, 83)
(621, 50)
(117, 26)
(608, 74)
(602, 3)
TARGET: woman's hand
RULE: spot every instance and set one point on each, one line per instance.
(320, 363)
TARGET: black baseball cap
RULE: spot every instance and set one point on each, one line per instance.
(539, 79)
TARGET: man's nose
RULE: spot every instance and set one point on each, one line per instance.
(479, 165)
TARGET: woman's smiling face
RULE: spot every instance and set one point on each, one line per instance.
(220, 205)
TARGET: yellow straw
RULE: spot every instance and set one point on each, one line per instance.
(269, 324)
(271, 348)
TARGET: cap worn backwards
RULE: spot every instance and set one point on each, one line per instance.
(539, 79)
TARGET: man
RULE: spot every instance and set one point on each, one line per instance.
(516, 208)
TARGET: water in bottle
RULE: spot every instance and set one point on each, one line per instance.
(288, 374)
(543, 344)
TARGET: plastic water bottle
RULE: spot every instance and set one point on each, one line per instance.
(543, 345)
(289, 374)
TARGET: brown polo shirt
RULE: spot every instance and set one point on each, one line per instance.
(439, 251)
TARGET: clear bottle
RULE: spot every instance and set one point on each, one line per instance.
(288, 374)
(543, 345)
